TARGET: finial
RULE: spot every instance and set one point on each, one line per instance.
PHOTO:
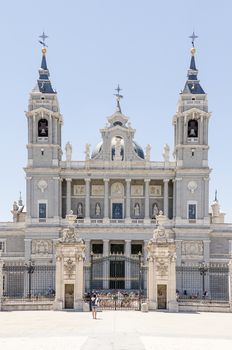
(215, 199)
(42, 42)
(118, 98)
(193, 37)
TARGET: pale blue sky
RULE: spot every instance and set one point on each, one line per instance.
(93, 46)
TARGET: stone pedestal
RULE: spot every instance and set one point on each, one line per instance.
(70, 255)
(162, 271)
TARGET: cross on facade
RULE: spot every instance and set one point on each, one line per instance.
(193, 37)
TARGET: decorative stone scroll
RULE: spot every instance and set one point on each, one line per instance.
(42, 184)
(97, 190)
(192, 248)
(155, 190)
(192, 186)
(137, 190)
(78, 190)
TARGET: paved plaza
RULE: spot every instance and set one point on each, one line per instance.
(115, 330)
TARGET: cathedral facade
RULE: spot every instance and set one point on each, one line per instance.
(118, 195)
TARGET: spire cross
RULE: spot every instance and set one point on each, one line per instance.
(193, 37)
(43, 37)
(118, 97)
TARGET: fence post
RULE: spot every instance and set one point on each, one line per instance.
(1, 281)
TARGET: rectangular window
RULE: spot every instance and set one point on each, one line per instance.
(2, 246)
(97, 248)
(42, 210)
(192, 208)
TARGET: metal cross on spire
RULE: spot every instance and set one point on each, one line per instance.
(193, 37)
(118, 98)
(43, 37)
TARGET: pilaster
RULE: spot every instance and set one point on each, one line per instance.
(68, 195)
(106, 201)
(87, 200)
(147, 216)
(128, 190)
(166, 181)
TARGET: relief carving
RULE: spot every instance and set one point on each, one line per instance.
(69, 267)
(192, 248)
(137, 190)
(97, 190)
(41, 247)
(162, 266)
(117, 189)
(78, 190)
(155, 190)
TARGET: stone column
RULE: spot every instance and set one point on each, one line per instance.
(50, 133)
(27, 248)
(28, 198)
(166, 196)
(174, 198)
(206, 198)
(178, 196)
(59, 300)
(178, 252)
(128, 190)
(68, 195)
(106, 264)
(127, 264)
(79, 278)
(147, 216)
(56, 209)
(87, 200)
(35, 128)
(106, 201)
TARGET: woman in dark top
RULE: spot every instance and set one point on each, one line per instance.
(94, 305)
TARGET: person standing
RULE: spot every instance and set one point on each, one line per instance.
(94, 305)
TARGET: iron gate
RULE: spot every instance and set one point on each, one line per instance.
(119, 281)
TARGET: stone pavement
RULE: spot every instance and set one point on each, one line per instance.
(115, 330)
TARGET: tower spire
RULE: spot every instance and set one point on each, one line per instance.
(44, 83)
(192, 85)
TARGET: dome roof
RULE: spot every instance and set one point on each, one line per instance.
(97, 149)
(138, 150)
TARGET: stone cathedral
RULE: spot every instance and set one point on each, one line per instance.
(126, 207)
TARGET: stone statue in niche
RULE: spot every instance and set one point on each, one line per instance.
(155, 210)
(79, 210)
(68, 150)
(136, 210)
(97, 209)
(87, 151)
(165, 153)
(148, 152)
(118, 149)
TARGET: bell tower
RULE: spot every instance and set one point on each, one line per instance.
(44, 146)
(191, 148)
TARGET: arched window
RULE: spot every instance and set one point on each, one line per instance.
(43, 128)
(192, 128)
